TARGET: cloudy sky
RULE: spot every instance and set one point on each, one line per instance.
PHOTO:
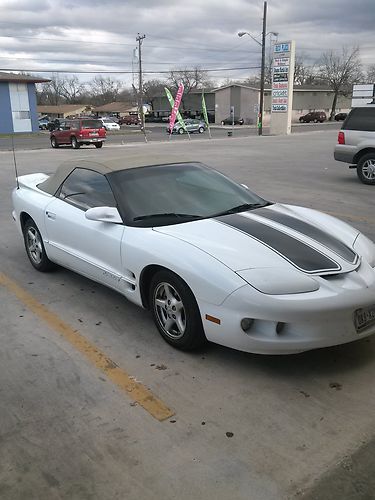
(98, 36)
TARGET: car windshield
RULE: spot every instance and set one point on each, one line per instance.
(91, 124)
(170, 194)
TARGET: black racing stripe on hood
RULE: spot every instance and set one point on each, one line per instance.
(311, 231)
(298, 253)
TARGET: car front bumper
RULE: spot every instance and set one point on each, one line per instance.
(287, 324)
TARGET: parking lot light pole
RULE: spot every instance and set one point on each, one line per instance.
(263, 65)
(141, 114)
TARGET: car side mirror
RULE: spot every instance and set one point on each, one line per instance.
(104, 214)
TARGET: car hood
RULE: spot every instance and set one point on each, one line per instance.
(279, 236)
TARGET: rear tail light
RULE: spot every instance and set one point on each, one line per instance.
(341, 137)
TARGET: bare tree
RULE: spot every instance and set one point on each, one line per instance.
(153, 89)
(51, 92)
(191, 78)
(71, 89)
(370, 74)
(304, 74)
(340, 71)
(104, 90)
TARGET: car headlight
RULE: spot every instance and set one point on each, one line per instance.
(365, 248)
(279, 281)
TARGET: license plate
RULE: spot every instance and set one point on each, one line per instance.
(364, 317)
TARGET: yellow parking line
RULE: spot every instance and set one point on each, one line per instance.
(136, 391)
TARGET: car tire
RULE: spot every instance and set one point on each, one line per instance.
(35, 248)
(201, 130)
(181, 130)
(54, 143)
(315, 121)
(75, 144)
(98, 145)
(175, 311)
(366, 169)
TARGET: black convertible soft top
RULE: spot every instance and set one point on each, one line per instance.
(52, 184)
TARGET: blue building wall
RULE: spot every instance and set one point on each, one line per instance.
(6, 120)
(32, 103)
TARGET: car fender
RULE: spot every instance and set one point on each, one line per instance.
(208, 278)
(33, 203)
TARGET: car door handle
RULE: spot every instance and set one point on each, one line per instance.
(51, 215)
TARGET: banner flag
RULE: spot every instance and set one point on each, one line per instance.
(205, 116)
(178, 114)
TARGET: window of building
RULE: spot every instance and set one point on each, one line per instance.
(21, 115)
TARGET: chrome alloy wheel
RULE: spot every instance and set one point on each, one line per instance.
(34, 245)
(169, 310)
(368, 170)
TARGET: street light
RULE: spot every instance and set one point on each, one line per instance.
(263, 64)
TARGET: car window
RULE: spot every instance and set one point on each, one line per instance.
(87, 189)
(66, 125)
(361, 119)
(86, 124)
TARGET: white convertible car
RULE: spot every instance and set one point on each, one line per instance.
(210, 259)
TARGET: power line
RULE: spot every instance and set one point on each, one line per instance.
(88, 61)
(72, 71)
(64, 40)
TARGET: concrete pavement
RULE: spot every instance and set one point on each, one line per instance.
(245, 426)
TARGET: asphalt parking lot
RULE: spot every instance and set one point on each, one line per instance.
(221, 423)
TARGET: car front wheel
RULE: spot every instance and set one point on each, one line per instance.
(54, 142)
(175, 311)
(201, 130)
(180, 130)
(366, 169)
(35, 248)
(75, 143)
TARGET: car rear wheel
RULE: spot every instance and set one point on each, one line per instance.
(98, 145)
(180, 130)
(175, 311)
(366, 169)
(201, 130)
(54, 142)
(35, 248)
(75, 144)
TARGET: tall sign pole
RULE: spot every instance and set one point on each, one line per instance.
(282, 87)
(262, 71)
(139, 39)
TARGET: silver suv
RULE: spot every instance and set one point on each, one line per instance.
(356, 142)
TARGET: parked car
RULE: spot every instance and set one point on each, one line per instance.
(340, 116)
(109, 124)
(54, 124)
(356, 143)
(229, 121)
(129, 120)
(78, 132)
(43, 123)
(191, 126)
(207, 257)
(313, 116)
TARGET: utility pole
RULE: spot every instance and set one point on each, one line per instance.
(262, 73)
(139, 39)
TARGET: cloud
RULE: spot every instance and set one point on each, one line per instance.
(100, 35)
